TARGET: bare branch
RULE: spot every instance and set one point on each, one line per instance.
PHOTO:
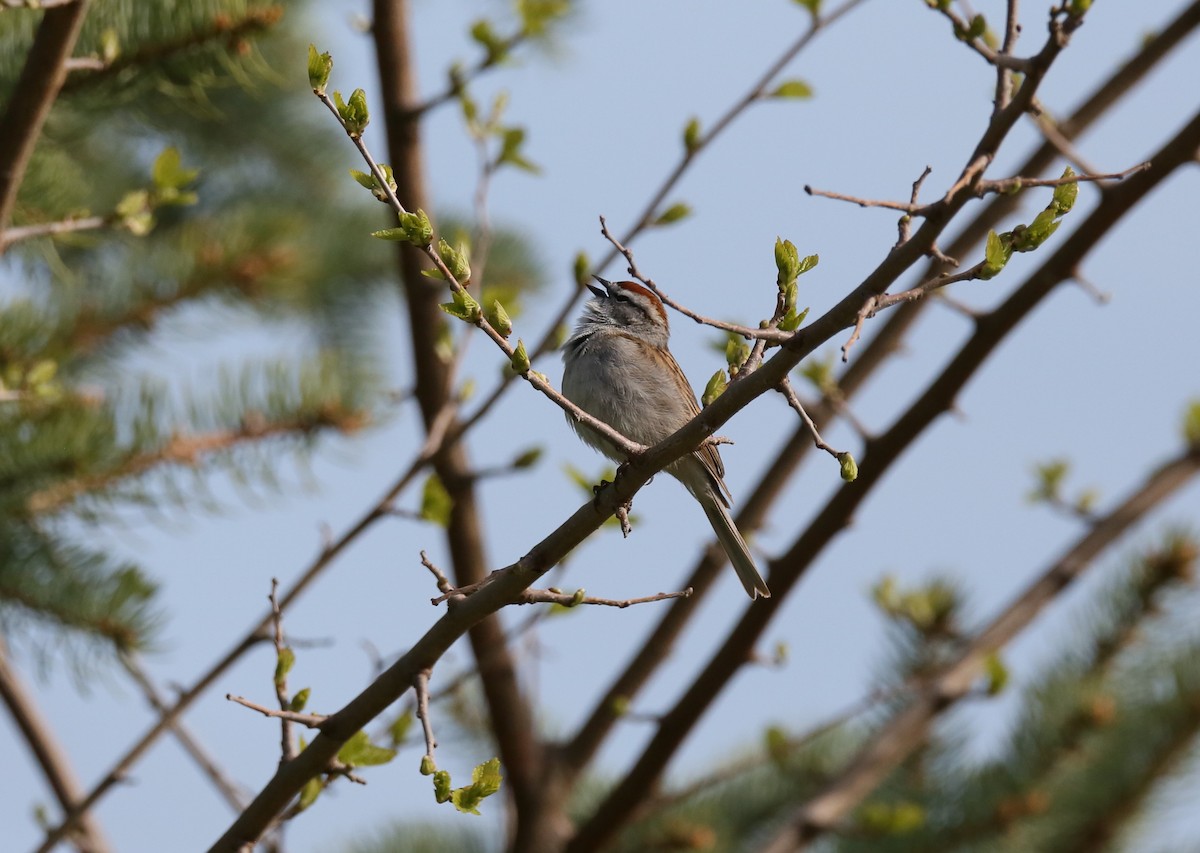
(50, 756)
(312, 721)
(553, 596)
(421, 689)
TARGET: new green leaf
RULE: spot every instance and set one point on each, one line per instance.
(319, 66)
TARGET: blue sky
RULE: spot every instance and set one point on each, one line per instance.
(1102, 385)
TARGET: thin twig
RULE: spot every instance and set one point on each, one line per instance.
(421, 691)
(287, 749)
(785, 388)
(744, 331)
(312, 721)
(49, 229)
(233, 794)
(551, 596)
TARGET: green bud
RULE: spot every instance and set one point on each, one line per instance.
(499, 320)
(482, 33)
(792, 89)
(736, 350)
(417, 226)
(300, 700)
(441, 786)
(714, 389)
(813, 6)
(849, 466)
(582, 269)
(1065, 194)
(691, 135)
(1191, 424)
(528, 458)
(455, 260)
(520, 358)
(428, 765)
(791, 320)
(674, 213)
(620, 705)
(354, 114)
(996, 673)
(578, 597)
(998, 250)
(464, 307)
(319, 66)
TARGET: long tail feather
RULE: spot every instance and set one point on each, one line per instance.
(735, 546)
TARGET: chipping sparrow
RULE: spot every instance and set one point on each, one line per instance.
(618, 369)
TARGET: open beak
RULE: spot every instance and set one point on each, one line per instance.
(603, 294)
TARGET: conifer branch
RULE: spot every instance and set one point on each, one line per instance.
(222, 27)
(189, 451)
(908, 729)
(36, 89)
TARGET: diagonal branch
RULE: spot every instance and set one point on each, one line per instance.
(905, 732)
(579, 750)
(49, 753)
(882, 452)
(40, 81)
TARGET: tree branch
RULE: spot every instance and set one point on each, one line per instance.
(41, 79)
(49, 753)
(905, 732)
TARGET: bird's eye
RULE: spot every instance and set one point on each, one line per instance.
(620, 297)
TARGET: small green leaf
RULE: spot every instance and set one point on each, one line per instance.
(135, 213)
(399, 728)
(463, 306)
(355, 115)
(996, 254)
(360, 752)
(1050, 478)
(417, 226)
(483, 34)
(1037, 232)
(679, 210)
(849, 466)
(996, 673)
(792, 89)
(284, 662)
(168, 172)
(300, 700)
(527, 459)
(787, 262)
(582, 269)
(42, 372)
(319, 66)
(441, 786)
(520, 358)
(736, 350)
(436, 502)
(512, 139)
(777, 745)
(620, 706)
(499, 320)
(714, 389)
(1065, 194)
(813, 6)
(807, 263)
(1191, 424)
(365, 179)
(309, 793)
(455, 260)
(977, 28)
(691, 135)
(485, 781)
(791, 320)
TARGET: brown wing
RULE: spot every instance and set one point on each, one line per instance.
(707, 454)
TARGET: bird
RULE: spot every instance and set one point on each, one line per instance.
(618, 369)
